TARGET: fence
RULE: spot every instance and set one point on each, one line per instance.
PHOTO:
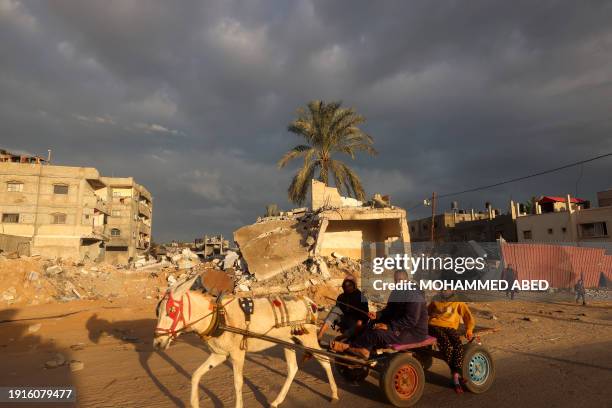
(560, 265)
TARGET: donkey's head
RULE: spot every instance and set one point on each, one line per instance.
(173, 314)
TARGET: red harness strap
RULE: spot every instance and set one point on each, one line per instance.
(174, 310)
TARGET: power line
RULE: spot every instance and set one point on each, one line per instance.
(520, 178)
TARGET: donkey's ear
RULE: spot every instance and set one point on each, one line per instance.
(182, 288)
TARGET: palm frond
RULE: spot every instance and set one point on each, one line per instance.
(298, 189)
(297, 151)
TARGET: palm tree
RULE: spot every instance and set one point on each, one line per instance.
(329, 129)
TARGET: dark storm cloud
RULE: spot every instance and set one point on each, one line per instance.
(193, 98)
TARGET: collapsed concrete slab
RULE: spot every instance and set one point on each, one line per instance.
(274, 246)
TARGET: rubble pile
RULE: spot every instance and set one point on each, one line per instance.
(32, 281)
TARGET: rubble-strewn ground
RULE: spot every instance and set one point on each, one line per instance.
(547, 355)
(34, 281)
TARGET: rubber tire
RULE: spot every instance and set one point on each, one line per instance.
(469, 350)
(387, 380)
(425, 358)
(357, 374)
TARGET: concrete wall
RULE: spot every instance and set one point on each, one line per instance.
(345, 230)
(12, 243)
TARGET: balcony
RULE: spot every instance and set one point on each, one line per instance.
(144, 227)
(144, 209)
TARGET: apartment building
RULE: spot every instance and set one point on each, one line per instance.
(568, 219)
(129, 224)
(71, 212)
(462, 225)
(61, 209)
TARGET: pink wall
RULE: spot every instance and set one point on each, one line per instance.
(560, 265)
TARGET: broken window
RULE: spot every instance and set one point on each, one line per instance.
(14, 186)
(10, 218)
(60, 189)
(593, 229)
(115, 232)
(58, 218)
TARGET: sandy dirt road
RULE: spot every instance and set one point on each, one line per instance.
(560, 357)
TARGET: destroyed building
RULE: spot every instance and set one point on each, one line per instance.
(129, 224)
(56, 211)
(304, 243)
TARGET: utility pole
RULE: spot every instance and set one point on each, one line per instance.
(433, 216)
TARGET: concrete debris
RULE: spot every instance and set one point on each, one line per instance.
(9, 294)
(323, 270)
(33, 328)
(32, 276)
(76, 365)
(34, 281)
(53, 270)
(77, 346)
(271, 247)
(230, 259)
(58, 361)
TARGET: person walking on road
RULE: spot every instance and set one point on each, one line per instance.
(580, 291)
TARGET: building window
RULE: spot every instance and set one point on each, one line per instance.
(58, 218)
(527, 234)
(14, 186)
(412, 228)
(116, 213)
(564, 230)
(550, 231)
(115, 232)
(593, 229)
(60, 189)
(10, 218)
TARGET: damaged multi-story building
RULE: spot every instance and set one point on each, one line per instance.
(64, 211)
(129, 224)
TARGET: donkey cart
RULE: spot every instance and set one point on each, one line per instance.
(400, 368)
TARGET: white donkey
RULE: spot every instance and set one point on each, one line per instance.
(182, 310)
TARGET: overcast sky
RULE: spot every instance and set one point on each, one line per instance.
(193, 98)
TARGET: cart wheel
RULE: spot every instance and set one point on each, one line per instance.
(478, 368)
(403, 380)
(352, 373)
(425, 358)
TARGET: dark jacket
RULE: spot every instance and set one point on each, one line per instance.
(406, 313)
(357, 300)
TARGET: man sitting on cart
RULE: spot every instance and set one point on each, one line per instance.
(350, 313)
(403, 320)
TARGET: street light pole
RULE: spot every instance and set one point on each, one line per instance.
(433, 216)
